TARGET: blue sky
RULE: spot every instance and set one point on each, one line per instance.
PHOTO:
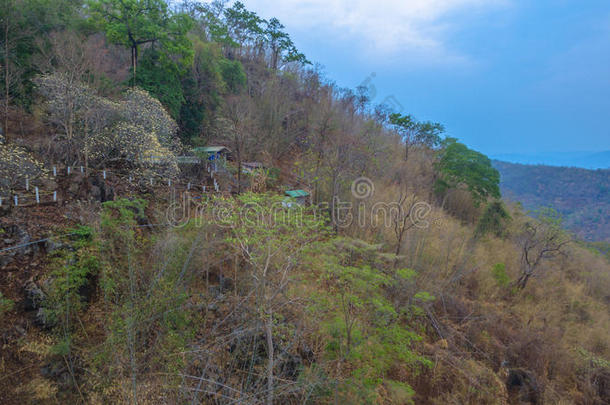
(504, 76)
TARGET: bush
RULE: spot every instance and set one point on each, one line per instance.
(6, 305)
(15, 166)
(499, 274)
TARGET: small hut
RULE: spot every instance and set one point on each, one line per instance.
(300, 196)
(215, 155)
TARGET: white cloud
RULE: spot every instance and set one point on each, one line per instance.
(384, 27)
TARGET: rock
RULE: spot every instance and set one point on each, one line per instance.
(34, 296)
(42, 320)
(226, 284)
(96, 193)
(5, 209)
(100, 190)
(523, 387)
(52, 245)
(53, 369)
(6, 259)
(108, 194)
(73, 189)
(20, 330)
(49, 184)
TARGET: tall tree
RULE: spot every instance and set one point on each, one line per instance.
(414, 132)
(12, 24)
(134, 23)
(281, 46)
(237, 128)
(460, 166)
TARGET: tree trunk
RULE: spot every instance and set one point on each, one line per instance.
(522, 282)
(270, 355)
(134, 62)
(238, 172)
(6, 84)
(398, 247)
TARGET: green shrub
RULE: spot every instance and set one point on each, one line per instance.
(499, 274)
(6, 305)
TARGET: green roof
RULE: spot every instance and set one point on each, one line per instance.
(210, 149)
(297, 193)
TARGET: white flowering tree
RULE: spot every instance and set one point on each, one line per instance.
(97, 131)
(16, 164)
(141, 109)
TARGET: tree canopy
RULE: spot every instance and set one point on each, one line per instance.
(460, 166)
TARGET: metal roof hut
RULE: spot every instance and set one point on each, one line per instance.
(216, 156)
(300, 196)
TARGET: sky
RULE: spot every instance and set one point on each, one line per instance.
(503, 76)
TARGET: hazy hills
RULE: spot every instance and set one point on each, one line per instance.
(581, 195)
(587, 160)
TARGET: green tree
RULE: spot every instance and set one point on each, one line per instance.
(161, 78)
(460, 166)
(204, 86)
(369, 310)
(281, 46)
(133, 23)
(272, 240)
(244, 26)
(414, 132)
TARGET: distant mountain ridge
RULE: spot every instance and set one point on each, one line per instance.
(585, 160)
(582, 196)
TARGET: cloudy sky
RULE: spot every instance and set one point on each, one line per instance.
(502, 75)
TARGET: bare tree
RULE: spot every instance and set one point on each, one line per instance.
(237, 128)
(539, 241)
(401, 217)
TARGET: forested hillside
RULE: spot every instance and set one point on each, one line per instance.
(192, 213)
(581, 196)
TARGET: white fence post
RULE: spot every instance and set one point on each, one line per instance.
(16, 200)
(104, 174)
(27, 183)
(54, 195)
(68, 169)
(0, 201)
(37, 196)
(54, 171)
